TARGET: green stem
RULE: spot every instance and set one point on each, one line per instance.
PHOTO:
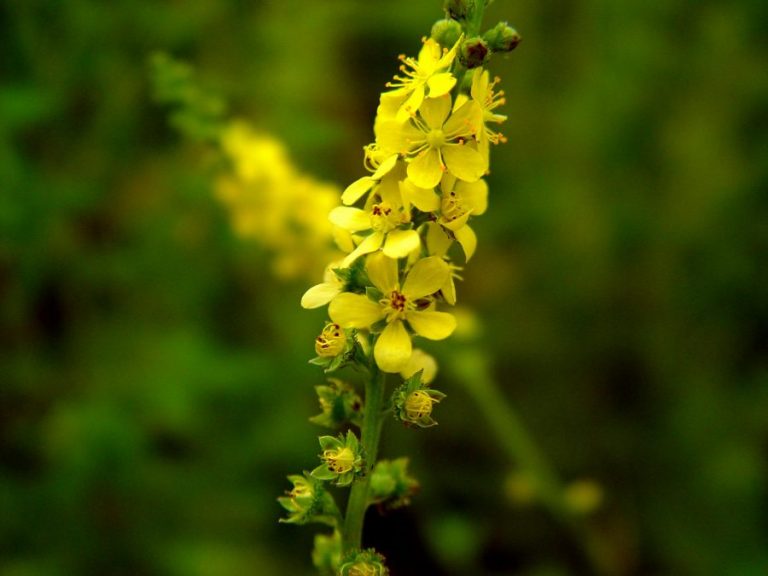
(471, 27)
(352, 532)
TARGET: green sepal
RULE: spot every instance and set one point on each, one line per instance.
(373, 294)
(330, 443)
(354, 278)
(309, 502)
(322, 472)
(340, 405)
(391, 485)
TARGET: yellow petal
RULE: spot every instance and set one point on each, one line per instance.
(412, 105)
(354, 311)
(468, 240)
(424, 199)
(438, 242)
(479, 88)
(449, 291)
(456, 223)
(465, 121)
(420, 360)
(393, 348)
(432, 325)
(461, 99)
(400, 243)
(389, 190)
(426, 277)
(474, 195)
(399, 137)
(440, 84)
(343, 239)
(426, 169)
(435, 110)
(370, 244)
(385, 167)
(320, 295)
(352, 219)
(464, 162)
(382, 272)
(356, 190)
(429, 55)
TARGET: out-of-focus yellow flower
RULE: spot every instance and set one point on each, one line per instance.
(275, 204)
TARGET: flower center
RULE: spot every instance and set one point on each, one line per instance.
(384, 218)
(452, 207)
(339, 461)
(396, 306)
(363, 569)
(301, 489)
(435, 138)
(418, 405)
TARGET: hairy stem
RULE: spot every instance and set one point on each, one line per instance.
(373, 417)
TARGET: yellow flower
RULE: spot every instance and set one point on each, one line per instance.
(425, 77)
(409, 303)
(384, 219)
(359, 187)
(482, 93)
(459, 201)
(439, 141)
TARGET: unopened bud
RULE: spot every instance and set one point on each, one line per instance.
(474, 52)
(502, 38)
(459, 9)
(446, 32)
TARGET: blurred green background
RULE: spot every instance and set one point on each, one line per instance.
(154, 390)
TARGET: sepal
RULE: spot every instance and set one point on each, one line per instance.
(391, 485)
(340, 404)
(308, 501)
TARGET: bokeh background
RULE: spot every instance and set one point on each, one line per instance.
(154, 389)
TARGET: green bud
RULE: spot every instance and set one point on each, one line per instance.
(326, 555)
(339, 403)
(502, 38)
(391, 485)
(474, 52)
(459, 9)
(446, 32)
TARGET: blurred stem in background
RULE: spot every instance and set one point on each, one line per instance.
(472, 366)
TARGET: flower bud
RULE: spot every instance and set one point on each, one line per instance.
(474, 52)
(502, 38)
(459, 9)
(331, 342)
(446, 32)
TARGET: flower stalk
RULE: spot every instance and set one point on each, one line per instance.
(405, 229)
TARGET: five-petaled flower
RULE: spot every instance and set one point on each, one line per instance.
(396, 304)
